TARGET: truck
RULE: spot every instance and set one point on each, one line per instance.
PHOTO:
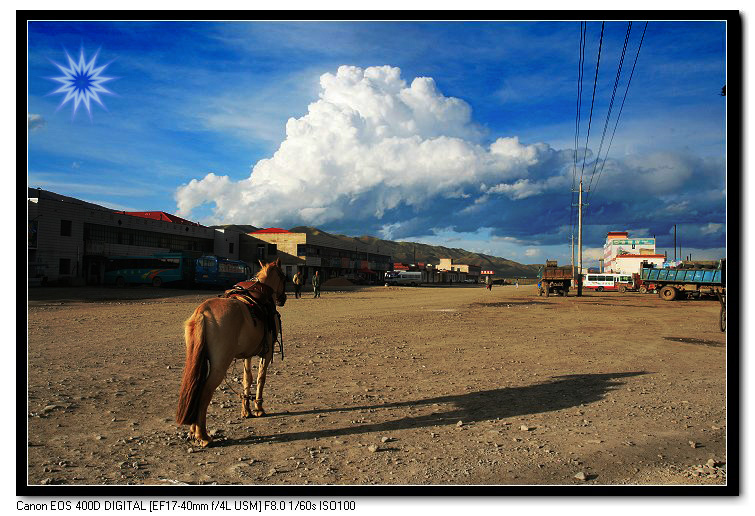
(554, 279)
(635, 284)
(686, 282)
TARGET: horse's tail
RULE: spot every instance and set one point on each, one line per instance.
(195, 369)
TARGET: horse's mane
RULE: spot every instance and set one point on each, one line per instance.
(262, 273)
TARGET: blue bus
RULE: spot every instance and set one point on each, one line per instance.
(220, 272)
(156, 270)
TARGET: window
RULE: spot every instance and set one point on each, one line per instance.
(272, 249)
(230, 247)
(260, 251)
(301, 250)
(64, 266)
(65, 228)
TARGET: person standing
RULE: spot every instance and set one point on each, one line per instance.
(316, 283)
(488, 282)
(297, 285)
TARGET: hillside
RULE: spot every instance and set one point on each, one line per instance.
(405, 252)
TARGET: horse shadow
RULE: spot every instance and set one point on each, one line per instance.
(559, 393)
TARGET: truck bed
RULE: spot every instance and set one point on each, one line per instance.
(556, 274)
(698, 276)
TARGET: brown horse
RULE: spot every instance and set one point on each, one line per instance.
(219, 331)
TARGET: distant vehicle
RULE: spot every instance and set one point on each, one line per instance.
(634, 284)
(220, 272)
(156, 270)
(554, 279)
(470, 280)
(676, 283)
(606, 281)
(412, 278)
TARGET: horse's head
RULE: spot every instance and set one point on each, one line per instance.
(272, 275)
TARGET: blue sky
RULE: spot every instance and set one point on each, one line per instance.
(455, 133)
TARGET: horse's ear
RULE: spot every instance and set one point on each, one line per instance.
(278, 262)
(262, 264)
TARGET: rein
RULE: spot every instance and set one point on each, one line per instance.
(267, 293)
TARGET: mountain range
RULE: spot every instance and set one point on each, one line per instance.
(414, 252)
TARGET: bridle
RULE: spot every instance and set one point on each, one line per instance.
(280, 298)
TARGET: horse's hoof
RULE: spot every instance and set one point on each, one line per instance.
(259, 413)
(246, 414)
(204, 443)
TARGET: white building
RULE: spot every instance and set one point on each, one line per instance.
(618, 244)
(630, 263)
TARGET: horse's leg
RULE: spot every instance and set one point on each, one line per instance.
(261, 375)
(245, 412)
(213, 381)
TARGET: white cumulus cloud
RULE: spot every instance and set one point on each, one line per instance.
(371, 143)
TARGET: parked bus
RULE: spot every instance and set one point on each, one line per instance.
(605, 281)
(412, 278)
(220, 272)
(155, 270)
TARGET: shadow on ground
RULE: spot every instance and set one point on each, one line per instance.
(558, 394)
(504, 304)
(702, 342)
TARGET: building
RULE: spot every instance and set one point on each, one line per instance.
(631, 263)
(457, 272)
(618, 244)
(69, 240)
(312, 250)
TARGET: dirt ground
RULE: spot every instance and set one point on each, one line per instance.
(386, 385)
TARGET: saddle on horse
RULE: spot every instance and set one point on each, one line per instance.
(258, 297)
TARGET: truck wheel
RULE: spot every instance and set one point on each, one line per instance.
(599, 289)
(623, 289)
(643, 290)
(157, 282)
(723, 318)
(668, 293)
(120, 282)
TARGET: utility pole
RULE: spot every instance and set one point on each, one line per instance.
(674, 242)
(572, 254)
(579, 244)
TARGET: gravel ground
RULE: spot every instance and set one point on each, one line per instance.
(387, 385)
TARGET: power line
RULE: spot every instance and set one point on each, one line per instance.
(592, 105)
(582, 42)
(622, 103)
(610, 105)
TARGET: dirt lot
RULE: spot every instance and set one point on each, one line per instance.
(387, 385)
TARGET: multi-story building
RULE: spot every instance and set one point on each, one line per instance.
(456, 272)
(311, 250)
(69, 240)
(631, 250)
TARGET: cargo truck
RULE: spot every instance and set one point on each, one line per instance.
(684, 282)
(554, 279)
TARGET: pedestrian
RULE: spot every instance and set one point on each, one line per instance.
(517, 284)
(297, 285)
(488, 282)
(316, 283)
